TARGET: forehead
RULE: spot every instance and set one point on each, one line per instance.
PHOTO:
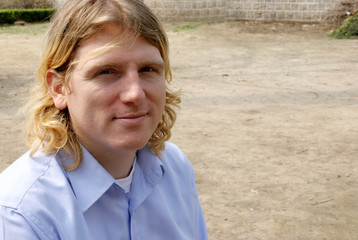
(113, 40)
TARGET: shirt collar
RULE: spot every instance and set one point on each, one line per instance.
(148, 173)
(150, 164)
(89, 180)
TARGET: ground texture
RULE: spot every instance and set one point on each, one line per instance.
(269, 120)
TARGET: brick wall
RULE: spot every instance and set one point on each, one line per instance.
(189, 10)
(262, 10)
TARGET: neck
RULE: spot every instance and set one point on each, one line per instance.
(118, 166)
(118, 163)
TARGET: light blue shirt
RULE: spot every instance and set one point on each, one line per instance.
(41, 200)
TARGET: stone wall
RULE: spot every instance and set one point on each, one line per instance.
(189, 10)
(262, 10)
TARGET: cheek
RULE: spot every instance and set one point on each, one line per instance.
(90, 94)
(155, 91)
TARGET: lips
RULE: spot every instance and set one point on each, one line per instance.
(131, 119)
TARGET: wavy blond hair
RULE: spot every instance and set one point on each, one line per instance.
(71, 26)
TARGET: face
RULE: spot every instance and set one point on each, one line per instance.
(116, 99)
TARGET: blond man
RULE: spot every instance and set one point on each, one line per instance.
(99, 119)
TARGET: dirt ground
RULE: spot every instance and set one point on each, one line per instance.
(269, 120)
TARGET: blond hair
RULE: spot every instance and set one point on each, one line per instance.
(71, 26)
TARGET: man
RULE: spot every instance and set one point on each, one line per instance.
(98, 121)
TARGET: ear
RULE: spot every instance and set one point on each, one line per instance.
(57, 88)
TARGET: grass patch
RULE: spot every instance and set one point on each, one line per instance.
(181, 27)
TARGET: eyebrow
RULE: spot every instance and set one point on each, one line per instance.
(104, 62)
(116, 65)
(152, 62)
(92, 68)
(155, 64)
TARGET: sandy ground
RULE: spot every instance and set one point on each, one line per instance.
(269, 120)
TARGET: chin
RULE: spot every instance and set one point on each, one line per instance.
(132, 146)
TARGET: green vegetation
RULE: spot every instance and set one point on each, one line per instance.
(348, 29)
(9, 16)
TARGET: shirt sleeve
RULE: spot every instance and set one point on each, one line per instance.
(201, 226)
(14, 226)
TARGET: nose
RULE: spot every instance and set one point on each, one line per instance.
(132, 89)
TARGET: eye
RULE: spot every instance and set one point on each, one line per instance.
(147, 69)
(105, 72)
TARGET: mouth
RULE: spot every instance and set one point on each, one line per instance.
(131, 119)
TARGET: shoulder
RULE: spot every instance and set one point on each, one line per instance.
(176, 162)
(35, 191)
(172, 151)
(172, 161)
(23, 175)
